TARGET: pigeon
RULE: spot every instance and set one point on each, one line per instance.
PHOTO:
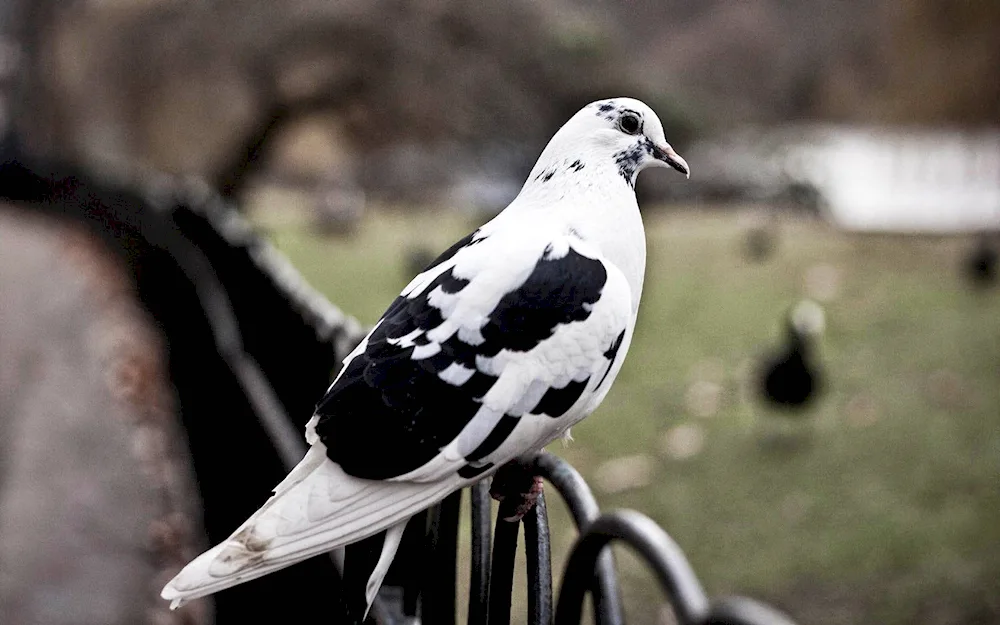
(417, 259)
(507, 339)
(760, 242)
(790, 378)
(980, 264)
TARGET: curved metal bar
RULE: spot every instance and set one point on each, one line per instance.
(569, 483)
(218, 309)
(583, 507)
(330, 324)
(502, 569)
(439, 591)
(479, 575)
(221, 315)
(411, 559)
(744, 611)
(538, 553)
(652, 544)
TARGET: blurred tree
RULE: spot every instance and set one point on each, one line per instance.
(186, 85)
(920, 61)
(196, 87)
(942, 60)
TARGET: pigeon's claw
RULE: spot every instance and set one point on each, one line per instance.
(527, 502)
(518, 491)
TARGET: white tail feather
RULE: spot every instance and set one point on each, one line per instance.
(392, 538)
(315, 509)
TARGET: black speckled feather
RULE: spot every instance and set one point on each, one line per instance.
(389, 414)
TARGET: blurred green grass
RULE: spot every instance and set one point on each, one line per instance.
(880, 504)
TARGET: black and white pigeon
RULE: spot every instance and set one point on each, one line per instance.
(791, 377)
(507, 339)
(980, 264)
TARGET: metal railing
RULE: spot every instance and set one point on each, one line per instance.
(589, 567)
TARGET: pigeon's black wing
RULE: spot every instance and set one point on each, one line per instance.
(491, 332)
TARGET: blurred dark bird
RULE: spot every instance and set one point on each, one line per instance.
(980, 265)
(790, 377)
(759, 243)
(339, 205)
(417, 259)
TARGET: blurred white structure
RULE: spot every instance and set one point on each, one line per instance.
(867, 178)
(902, 180)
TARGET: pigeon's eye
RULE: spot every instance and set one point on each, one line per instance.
(629, 123)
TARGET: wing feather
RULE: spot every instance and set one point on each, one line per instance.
(499, 330)
(324, 508)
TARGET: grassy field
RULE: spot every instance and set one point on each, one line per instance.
(881, 504)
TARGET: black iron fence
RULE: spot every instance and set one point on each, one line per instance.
(252, 346)
(589, 567)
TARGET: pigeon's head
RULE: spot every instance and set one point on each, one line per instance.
(807, 319)
(628, 132)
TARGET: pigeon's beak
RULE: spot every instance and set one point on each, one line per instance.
(666, 154)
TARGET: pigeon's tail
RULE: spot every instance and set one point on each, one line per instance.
(315, 509)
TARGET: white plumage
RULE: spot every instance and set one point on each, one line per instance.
(508, 339)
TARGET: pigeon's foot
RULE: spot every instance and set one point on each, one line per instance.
(516, 489)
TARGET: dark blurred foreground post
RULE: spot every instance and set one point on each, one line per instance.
(217, 369)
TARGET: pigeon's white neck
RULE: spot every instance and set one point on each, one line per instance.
(583, 185)
(582, 192)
